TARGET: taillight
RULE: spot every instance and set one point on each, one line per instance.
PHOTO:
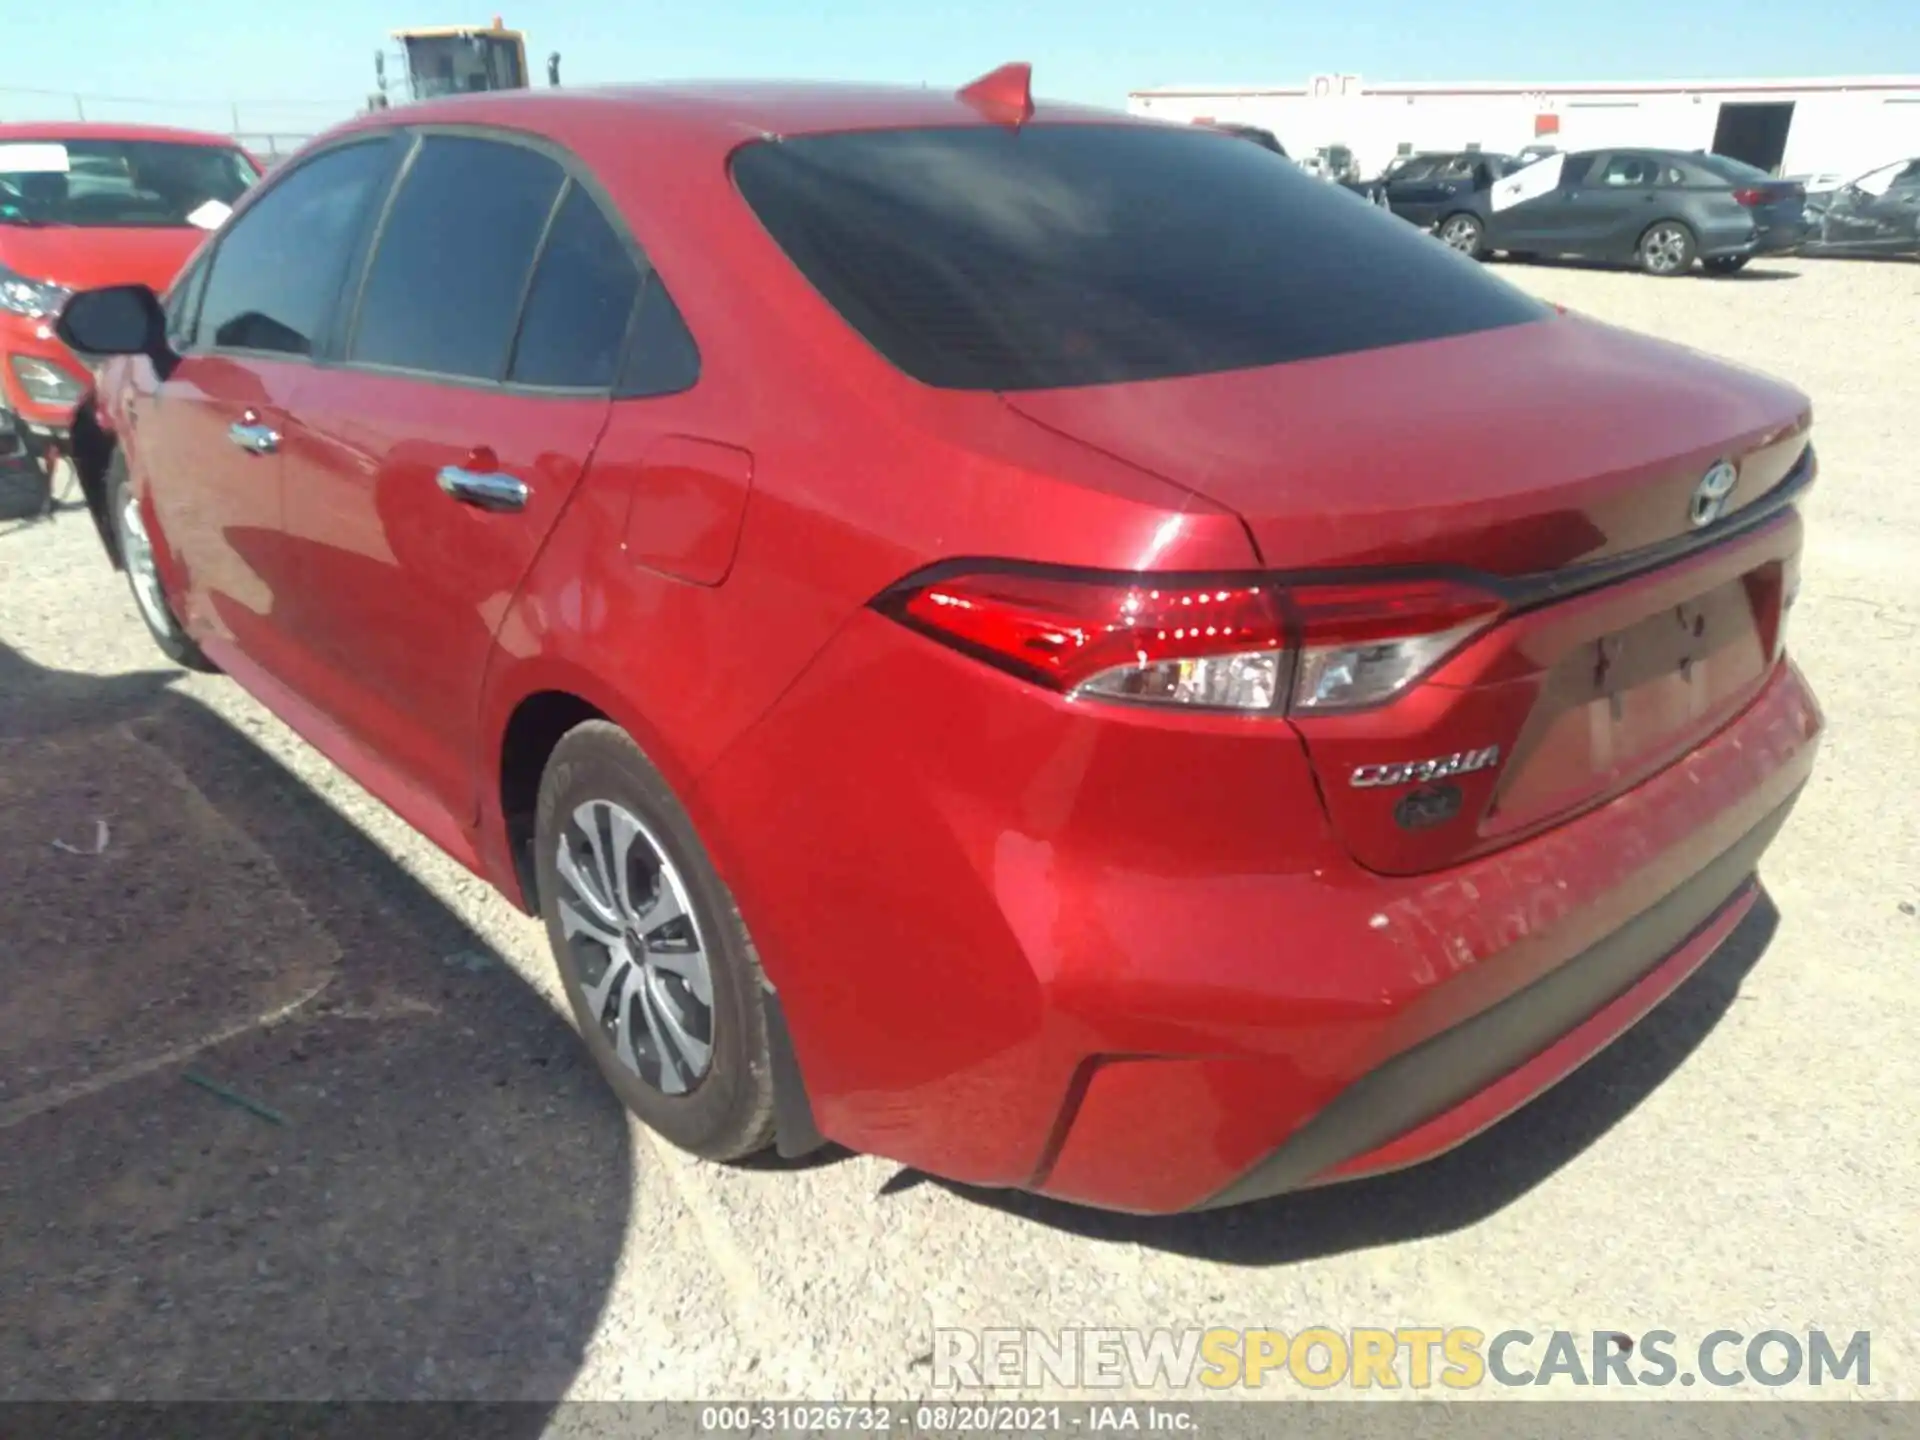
(1750, 198)
(1230, 642)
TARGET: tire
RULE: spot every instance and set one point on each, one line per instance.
(136, 553)
(1726, 265)
(720, 1105)
(1666, 248)
(1463, 231)
(25, 488)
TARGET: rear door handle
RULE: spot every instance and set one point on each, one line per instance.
(256, 439)
(485, 490)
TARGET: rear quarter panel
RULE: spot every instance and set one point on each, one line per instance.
(859, 477)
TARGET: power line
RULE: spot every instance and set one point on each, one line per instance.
(85, 97)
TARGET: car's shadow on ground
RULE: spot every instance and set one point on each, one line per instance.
(1461, 1188)
(274, 1123)
(1759, 270)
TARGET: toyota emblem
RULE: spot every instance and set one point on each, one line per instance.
(1710, 495)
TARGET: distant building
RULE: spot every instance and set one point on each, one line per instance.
(1792, 127)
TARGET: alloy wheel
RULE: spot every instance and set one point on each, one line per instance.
(1665, 249)
(642, 960)
(1461, 233)
(137, 551)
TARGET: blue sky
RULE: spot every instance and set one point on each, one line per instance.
(295, 66)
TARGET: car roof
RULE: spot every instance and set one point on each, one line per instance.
(107, 130)
(734, 110)
(1662, 151)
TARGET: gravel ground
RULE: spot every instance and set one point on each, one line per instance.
(442, 1201)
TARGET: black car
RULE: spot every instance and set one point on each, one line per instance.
(1265, 139)
(1877, 214)
(1659, 209)
(1421, 188)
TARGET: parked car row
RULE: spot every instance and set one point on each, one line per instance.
(1662, 210)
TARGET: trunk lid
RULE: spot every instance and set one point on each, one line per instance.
(1775, 205)
(1564, 458)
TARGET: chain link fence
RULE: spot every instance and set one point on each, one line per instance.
(269, 129)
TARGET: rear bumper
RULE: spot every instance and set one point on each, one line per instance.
(1121, 959)
(1775, 240)
(1539, 957)
(1427, 1100)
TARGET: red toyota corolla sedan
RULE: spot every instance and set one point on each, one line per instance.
(1054, 648)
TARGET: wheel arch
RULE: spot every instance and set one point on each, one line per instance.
(1693, 232)
(533, 726)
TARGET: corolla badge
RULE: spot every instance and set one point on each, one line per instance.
(1710, 495)
(1419, 772)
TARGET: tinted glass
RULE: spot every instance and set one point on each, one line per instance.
(443, 292)
(278, 270)
(1738, 172)
(183, 301)
(151, 184)
(1573, 170)
(1630, 171)
(582, 297)
(664, 360)
(992, 259)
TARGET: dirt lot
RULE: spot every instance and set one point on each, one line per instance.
(442, 1201)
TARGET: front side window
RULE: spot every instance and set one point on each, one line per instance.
(442, 293)
(1574, 171)
(278, 270)
(983, 258)
(124, 184)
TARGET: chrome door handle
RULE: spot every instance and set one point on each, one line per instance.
(259, 439)
(486, 490)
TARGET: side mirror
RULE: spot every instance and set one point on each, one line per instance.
(114, 320)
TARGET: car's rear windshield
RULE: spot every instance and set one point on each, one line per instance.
(91, 182)
(1728, 168)
(1064, 255)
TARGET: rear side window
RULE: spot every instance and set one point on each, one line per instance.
(279, 268)
(993, 259)
(664, 359)
(580, 302)
(183, 304)
(442, 293)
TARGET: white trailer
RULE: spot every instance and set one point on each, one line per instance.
(1846, 125)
